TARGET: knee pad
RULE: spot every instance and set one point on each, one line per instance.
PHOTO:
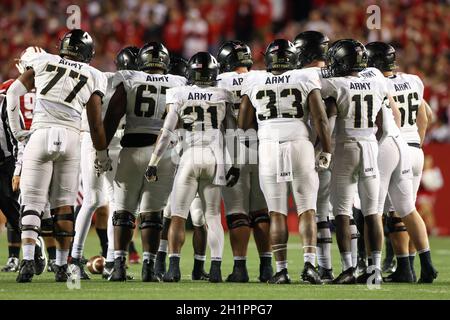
(392, 224)
(355, 235)
(320, 226)
(30, 221)
(151, 220)
(198, 220)
(258, 217)
(60, 231)
(237, 220)
(13, 234)
(123, 219)
(47, 227)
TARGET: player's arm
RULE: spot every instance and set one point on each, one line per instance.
(162, 143)
(395, 110)
(247, 116)
(233, 173)
(17, 89)
(379, 123)
(424, 117)
(320, 120)
(117, 108)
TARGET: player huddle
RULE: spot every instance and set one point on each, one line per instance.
(162, 138)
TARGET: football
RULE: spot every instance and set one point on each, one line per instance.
(96, 264)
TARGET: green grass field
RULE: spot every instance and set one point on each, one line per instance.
(44, 287)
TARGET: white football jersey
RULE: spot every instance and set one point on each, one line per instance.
(201, 110)
(232, 81)
(407, 91)
(359, 99)
(146, 99)
(281, 103)
(63, 88)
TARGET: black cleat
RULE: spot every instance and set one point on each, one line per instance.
(326, 275)
(428, 275)
(26, 271)
(148, 273)
(239, 274)
(200, 275)
(51, 265)
(77, 265)
(12, 265)
(346, 277)
(361, 266)
(310, 275)
(400, 277)
(215, 273)
(108, 270)
(389, 266)
(61, 273)
(265, 272)
(368, 277)
(120, 270)
(40, 259)
(160, 264)
(281, 277)
(172, 275)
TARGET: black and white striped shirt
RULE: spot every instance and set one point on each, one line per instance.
(8, 144)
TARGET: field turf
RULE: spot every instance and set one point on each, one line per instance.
(44, 287)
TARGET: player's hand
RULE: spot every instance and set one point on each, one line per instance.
(151, 174)
(102, 163)
(232, 176)
(21, 135)
(323, 161)
(15, 183)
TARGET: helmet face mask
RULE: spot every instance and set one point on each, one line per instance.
(77, 45)
(345, 57)
(281, 55)
(311, 45)
(203, 69)
(126, 58)
(381, 56)
(234, 54)
(153, 55)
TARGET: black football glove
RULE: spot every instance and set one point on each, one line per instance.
(151, 174)
(232, 176)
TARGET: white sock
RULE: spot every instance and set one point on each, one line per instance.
(110, 254)
(354, 244)
(176, 255)
(216, 236)
(82, 225)
(28, 251)
(376, 259)
(110, 231)
(309, 257)
(163, 245)
(77, 250)
(281, 265)
(346, 259)
(199, 257)
(120, 254)
(324, 249)
(265, 255)
(61, 256)
(148, 256)
(240, 258)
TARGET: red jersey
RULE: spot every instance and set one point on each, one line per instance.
(26, 102)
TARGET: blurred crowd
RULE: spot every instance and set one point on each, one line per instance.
(419, 30)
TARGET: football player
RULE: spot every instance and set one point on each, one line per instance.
(178, 66)
(356, 96)
(282, 100)
(312, 47)
(245, 206)
(141, 97)
(98, 190)
(407, 90)
(51, 160)
(203, 110)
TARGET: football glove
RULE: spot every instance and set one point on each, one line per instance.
(323, 161)
(103, 162)
(151, 174)
(232, 176)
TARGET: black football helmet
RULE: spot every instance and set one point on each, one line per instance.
(126, 58)
(381, 56)
(203, 69)
(233, 54)
(78, 45)
(178, 65)
(311, 45)
(346, 56)
(153, 55)
(281, 55)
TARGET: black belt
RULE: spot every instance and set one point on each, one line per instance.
(415, 145)
(138, 140)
